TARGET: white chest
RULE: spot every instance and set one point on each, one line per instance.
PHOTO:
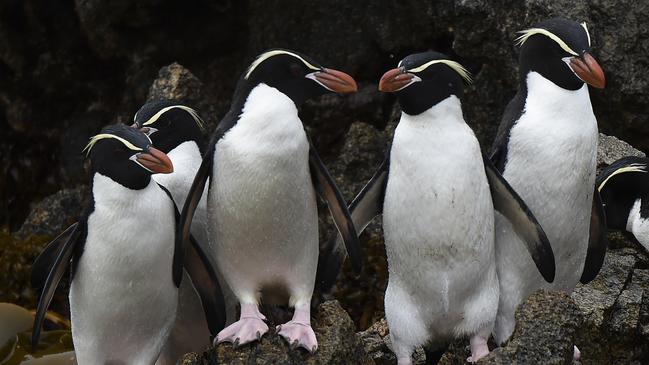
(186, 159)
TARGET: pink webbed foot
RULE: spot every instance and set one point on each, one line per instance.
(479, 348)
(248, 328)
(299, 335)
(298, 331)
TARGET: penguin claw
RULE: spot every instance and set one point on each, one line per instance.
(243, 331)
(299, 335)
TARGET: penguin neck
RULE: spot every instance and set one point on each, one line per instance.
(446, 112)
(186, 158)
(270, 114)
(112, 194)
(543, 93)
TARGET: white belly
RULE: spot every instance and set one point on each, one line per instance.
(262, 207)
(438, 224)
(122, 299)
(551, 164)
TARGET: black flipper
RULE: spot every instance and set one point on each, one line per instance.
(365, 207)
(43, 263)
(203, 276)
(509, 204)
(327, 189)
(59, 267)
(179, 249)
(597, 241)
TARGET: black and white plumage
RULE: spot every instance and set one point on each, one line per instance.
(263, 176)
(126, 265)
(177, 130)
(624, 188)
(437, 194)
(546, 149)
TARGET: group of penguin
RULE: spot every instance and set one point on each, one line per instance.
(179, 235)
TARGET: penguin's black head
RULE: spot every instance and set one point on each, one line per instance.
(422, 80)
(296, 75)
(620, 185)
(559, 50)
(168, 124)
(127, 156)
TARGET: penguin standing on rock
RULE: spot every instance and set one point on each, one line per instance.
(437, 194)
(126, 264)
(177, 130)
(624, 188)
(546, 148)
(262, 214)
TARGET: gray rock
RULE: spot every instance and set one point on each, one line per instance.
(175, 82)
(614, 307)
(337, 344)
(611, 149)
(53, 214)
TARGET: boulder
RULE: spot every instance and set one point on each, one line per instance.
(611, 149)
(337, 344)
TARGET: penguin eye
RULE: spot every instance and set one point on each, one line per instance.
(296, 70)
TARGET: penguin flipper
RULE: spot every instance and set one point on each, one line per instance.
(59, 266)
(203, 275)
(510, 204)
(365, 207)
(43, 263)
(327, 189)
(597, 241)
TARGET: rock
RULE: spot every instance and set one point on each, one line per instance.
(615, 310)
(376, 342)
(175, 82)
(53, 214)
(337, 344)
(611, 149)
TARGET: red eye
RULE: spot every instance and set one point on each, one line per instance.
(296, 70)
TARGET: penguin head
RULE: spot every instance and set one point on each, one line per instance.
(620, 185)
(422, 80)
(168, 124)
(560, 51)
(295, 75)
(126, 155)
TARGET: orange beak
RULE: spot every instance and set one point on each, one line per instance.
(588, 70)
(156, 161)
(336, 81)
(395, 80)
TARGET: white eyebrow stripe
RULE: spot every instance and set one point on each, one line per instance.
(189, 110)
(525, 34)
(634, 167)
(452, 64)
(587, 32)
(264, 56)
(101, 136)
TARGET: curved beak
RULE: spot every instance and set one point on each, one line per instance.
(155, 161)
(146, 130)
(334, 80)
(396, 79)
(588, 70)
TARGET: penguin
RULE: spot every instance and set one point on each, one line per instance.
(624, 188)
(437, 193)
(177, 130)
(546, 148)
(126, 263)
(263, 176)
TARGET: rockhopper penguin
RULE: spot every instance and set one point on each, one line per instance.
(437, 193)
(177, 130)
(546, 149)
(263, 177)
(126, 264)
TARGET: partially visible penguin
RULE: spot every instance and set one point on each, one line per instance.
(546, 148)
(263, 177)
(624, 187)
(126, 265)
(177, 130)
(437, 194)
